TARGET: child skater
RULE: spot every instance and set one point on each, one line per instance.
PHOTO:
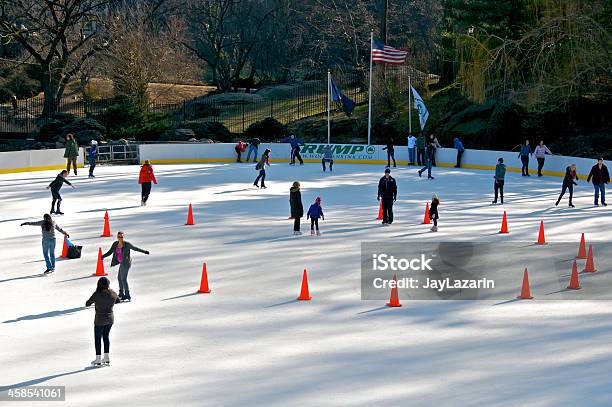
(314, 213)
(144, 179)
(104, 298)
(55, 187)
(433, 212)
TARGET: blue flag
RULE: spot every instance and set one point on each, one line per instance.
(420, 106)
(348, 105)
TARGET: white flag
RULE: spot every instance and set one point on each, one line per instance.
(420, 106)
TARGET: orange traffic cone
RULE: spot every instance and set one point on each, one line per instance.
(106, 232)
(574, 284)
(541, 239)
(380, 212)
(204, 281)
(190, 217)
(304, 294)
(65, 248)
(426, 220)
(582, 249)
(525, 292)
(394, 299)
(589, 267)
(100, 266)
(504, 226)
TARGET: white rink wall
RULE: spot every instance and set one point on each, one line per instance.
(35, 160)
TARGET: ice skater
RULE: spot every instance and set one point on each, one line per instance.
(297, 209)
(145, 178)
(295, 148)
(253, 147)
(328, 157)
(411, 149)
(387, 191)
(121, 255)
(568, 184)
(92, 156)
(390, 152)
(460, 149)
(498, 183)
(48, 239)
(430, 152)
(436, 145)
(314, 213)
(600, 176)
(71, 152)
(261, 166)
(433, 212)
(105, 299)
(524, 156)
(240, 148)
(55, 187)
(540, 153)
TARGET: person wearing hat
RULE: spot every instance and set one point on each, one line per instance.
(498, 185)
(433, 212)
(297, 209)
(92, 156)
(314, 213)
(387, 191)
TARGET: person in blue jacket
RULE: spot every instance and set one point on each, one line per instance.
(92, 156)
(524, 156)
(295, 148)
(459, 147)
(314, 213)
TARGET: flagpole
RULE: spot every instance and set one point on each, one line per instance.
(328, 107)
(409, 107)
(370, 91)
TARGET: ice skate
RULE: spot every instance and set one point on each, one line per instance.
(312, 233)
(318, 233)
(106, 360)
(97, 362)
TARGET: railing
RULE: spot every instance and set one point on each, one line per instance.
(117, 153)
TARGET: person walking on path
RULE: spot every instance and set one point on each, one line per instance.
(314, 213)
(104, 299)
(55, 187)
(568, 184)
(121, 255)
(498, 183)
(328, 157)
(295, 148)
(71, 152)
(540, 153)
(145, 178)
(600, 176)
(387, 191)
(429, 153)
(436, 145)
(253, 147)
(48, 227)
(261, 167)
(421, 145)
(297, 209)
(524, 156)
(433, 212)
(460, 149)
(390, 152)
(92, 156)
(240, 148)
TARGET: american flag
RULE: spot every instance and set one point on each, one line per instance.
(387, 54)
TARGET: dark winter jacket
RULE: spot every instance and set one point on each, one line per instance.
(261, 164)
(327, 153)
(57, 183)
(600, 176)
(92, 153)
(293, 141)
(390, 148)
(72, 149)
(255, 142)
(125, 253)
(430, 152)
(433, 209)
(500, 172)
(525, 150)
(420, 142)
(387, 188)
(105, 300)
(570, 177)
(315, 211)
(295, 200)
(458, 144)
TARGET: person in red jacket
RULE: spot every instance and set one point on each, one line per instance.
(144, 179)
(240, 147)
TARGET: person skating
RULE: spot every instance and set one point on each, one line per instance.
(600, 176)
(240, 148)
(55, 187)
(121, 255)
(253, 147)
(498, 183)
(92, 156)
(145, 178)
(314, 213)
(328, 157)
(261, 166)
(524, 156)
(297, 209)
(430, 152)
(71, 152)
(421, 146)
(436, 145)
(433, 212)
(48, 227)
(411, 150)
(390, 152)
(387, 191)
(568, 184)
(295, 148)
(104, 299)
(460, 149)
(540, 153)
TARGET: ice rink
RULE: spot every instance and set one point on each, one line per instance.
(250, 342)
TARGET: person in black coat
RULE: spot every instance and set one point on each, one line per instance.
(387, 191)
(390, 152)
(568, 184)
(297, 209)
(600, 176)
(55, 187)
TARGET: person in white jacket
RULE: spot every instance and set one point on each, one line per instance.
(411, 150)
(540, 152)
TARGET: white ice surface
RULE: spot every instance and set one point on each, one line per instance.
(249, 342)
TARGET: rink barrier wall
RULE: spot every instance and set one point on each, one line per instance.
(36, 160)
(358, 154)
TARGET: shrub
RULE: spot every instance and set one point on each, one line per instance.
(266, 129)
